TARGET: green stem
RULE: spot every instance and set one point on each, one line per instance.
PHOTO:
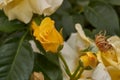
(65, 64)
(79, 74)
(76, 71)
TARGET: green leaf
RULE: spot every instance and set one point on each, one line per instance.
(103, 17)
(50, 70)
(114, 2)
(68, 25)
(16, 60)
(48, 63)
(79, 18)
(9, 26)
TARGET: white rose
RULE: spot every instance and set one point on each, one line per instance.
(23, 9)
(70, 52)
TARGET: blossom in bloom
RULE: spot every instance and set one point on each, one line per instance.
(47, 35)
(111, 57)
(23, 9)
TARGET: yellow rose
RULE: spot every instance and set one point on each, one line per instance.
(89, 59)
(24, 9)
(47, 35)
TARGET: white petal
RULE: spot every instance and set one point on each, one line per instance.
(19, 10)
(101, 73)
(34, 47)
(46, 7)
(54, 6)
(72, 41)
(38, 6)
(76, 42)
(71, 58)
(81, 33)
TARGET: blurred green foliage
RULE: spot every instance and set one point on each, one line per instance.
(93, 15)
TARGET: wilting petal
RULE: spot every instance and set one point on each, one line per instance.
(19, 9)
(46, 7)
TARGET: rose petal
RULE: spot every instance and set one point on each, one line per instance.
(34, 47)
(100, 73)
(46, 7)
(19, 9)
(54, 6)
(115, 42)
(4, 3)
(71, 58)
(38, 6)
(82, 34)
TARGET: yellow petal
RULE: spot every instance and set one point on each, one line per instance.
(114, 73)
(47, 35)
(115, 42)
(34, 26)
(47, 23)
(85, 60)
(92, 59)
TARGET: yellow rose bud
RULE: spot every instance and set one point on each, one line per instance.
(89, 60)
(85, 60)
(92, 59)
(47, 35)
